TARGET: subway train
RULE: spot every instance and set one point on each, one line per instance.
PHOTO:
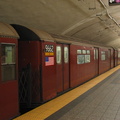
(37, 66)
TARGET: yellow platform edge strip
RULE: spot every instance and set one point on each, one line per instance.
(47, 109)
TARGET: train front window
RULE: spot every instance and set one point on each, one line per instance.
(8, 62)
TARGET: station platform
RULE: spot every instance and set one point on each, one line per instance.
(97, 99)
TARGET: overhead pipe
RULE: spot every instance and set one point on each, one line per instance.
(109, 14)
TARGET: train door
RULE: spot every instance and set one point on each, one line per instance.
(8, 79)
(62, 68)
(116, 57)
(109, 57)
(96, 60)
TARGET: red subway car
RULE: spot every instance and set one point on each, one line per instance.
(9, 105)
(37, 66)
(51, 64)
(118, 56)
(105, 59)
(82, 64)
(47, 65)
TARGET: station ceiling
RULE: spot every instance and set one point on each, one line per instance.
(91, 20)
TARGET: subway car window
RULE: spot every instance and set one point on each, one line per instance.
(58, 54)
(119, 54)
(79, 51)
(66, 54)
(84, 51)
(87, 58)
(109, 53)
(103, 55)
(88, 51)
(8, 62)
(80, 59)
(95, 54)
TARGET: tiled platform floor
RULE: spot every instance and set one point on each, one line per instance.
(102, 102)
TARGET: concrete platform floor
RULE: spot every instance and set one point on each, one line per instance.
(98, 99)
(102, 102)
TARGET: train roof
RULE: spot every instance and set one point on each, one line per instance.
(43, 35)
(31, 34)
(7, 30)
(77, 41)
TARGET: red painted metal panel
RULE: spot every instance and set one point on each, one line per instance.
(66, 68)
(116, 57)
(9, 103)
(59, 68)
(9, 100)
(80, 73)
(104, 65)
(96, 61)
(112, 57)
(48, 70)
(29, 53)
(109, 58)
(74, 68)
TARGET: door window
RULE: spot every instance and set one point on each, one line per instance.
(8, 62)
(66, 54)
(95, 54)
(58, 54)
